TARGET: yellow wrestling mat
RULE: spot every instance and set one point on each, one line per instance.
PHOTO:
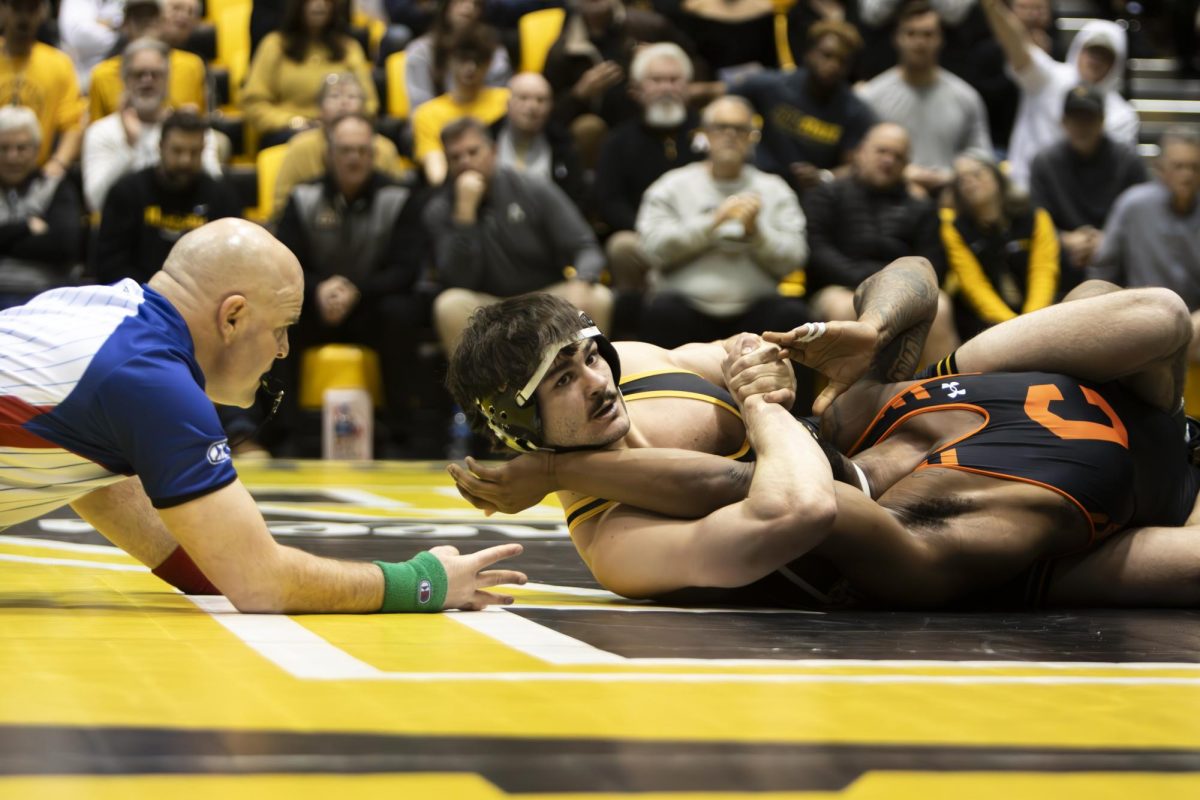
(118, 687)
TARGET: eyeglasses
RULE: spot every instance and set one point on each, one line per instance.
(138, 74)
(273, 387)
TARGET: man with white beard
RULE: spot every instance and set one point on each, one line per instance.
(127, 140)
(639, 151)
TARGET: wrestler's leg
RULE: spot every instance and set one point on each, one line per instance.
(1139, 336)
(1155, 567)
(1146, 567)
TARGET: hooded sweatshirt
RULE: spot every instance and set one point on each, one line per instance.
(1044, 85)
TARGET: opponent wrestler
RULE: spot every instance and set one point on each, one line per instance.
(108, 405)
(952, 531)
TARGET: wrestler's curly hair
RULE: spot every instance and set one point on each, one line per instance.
(503, 344)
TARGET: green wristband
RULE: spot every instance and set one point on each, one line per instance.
(418, 584)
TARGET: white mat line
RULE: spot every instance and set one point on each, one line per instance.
(545, 644)
(286, 643)
(73, 562)
(305, 655)
(745, 678)
(54, 544)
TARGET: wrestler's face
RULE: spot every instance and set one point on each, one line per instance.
(579, 402)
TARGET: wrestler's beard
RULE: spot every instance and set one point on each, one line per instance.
(665, 113)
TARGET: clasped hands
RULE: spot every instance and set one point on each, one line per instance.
(841, 351)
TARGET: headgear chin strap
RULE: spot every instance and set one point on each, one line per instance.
(512, 415)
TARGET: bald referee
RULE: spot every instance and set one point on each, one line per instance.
(106, 397)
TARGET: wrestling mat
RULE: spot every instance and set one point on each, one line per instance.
(117, 687)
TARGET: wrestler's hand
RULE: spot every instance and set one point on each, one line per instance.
(507, 487)
(467, 576)
(841, 351)
(759, 370)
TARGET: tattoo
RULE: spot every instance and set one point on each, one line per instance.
(901, 301)
(740, 475)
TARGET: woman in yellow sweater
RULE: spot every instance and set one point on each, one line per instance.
(290, 65)
(1003, 254)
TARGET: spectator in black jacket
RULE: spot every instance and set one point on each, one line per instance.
(498, 233)
(146, 212)
(39, 215)
(359, 238)
(860, 223)
(527, 140)
(1078, 179)
(638, 152)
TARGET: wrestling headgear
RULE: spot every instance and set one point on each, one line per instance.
(512, 414)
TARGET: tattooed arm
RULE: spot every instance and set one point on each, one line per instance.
(900, 302)
(896, 306)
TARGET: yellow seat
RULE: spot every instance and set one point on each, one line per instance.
(538, 31)
(1191, 392)
(233, 45)
(214, 8)
(397, 89)
(792, 284)
(267, 164)
(338, 366)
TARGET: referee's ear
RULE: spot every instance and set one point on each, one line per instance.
(231, 316)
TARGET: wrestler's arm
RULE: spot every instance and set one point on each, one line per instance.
(639, 554)
(706, 358)
(676, 483)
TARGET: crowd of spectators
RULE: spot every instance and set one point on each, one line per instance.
(678, 169)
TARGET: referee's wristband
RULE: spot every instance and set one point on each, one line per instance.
(418, 584)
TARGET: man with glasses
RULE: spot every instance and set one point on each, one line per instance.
(170, 22)
(721, 234)
(128, 139)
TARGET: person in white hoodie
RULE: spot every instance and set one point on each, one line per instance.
(1096, 57)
